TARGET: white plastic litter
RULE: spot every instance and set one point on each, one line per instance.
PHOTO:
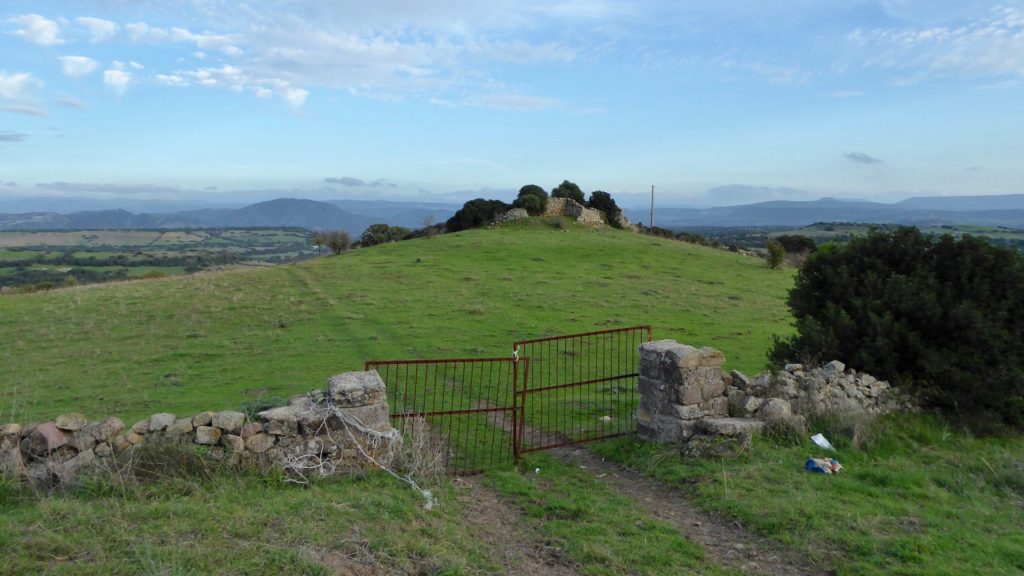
(820, 440)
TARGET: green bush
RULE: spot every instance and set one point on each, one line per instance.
(476, 213)
(569, 190)
(603, 201)
(943, 318)
(533, 199)
(796, 243)
(776, 254)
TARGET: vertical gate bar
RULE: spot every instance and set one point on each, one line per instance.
(515, 411)
(490, 431)
(526, 383)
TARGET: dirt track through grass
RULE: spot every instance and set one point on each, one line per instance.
(724, 541)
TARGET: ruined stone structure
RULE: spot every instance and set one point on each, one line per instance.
(686, 397)
(336, 431)
(573, 209)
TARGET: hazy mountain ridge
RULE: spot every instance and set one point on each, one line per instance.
(980, 210)
(354, 216)
(285, 212)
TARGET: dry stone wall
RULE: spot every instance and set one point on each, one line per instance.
(686, 397)
(334, 431)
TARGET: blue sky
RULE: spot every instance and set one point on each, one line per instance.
(451, 99)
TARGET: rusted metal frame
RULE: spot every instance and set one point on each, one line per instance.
(450, 412)
(646, 327)
(370, 363)
(574, 442)
(583, 383)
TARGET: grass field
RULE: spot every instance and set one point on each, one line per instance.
(917, 498)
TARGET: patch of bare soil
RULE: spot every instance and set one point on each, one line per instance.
(499, 525)
(724, 541)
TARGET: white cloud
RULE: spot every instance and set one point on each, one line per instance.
(119, 80)
(171, 80)
(136, 65)
(99, 28)
(17, 86)
(200, 55)
(295, 96)
(37, 29)
(77, 66)
(991, 46)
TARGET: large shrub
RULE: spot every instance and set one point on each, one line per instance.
(533, 199)
(603, 201)
(943, 318)
(476, 213)
(569, 190)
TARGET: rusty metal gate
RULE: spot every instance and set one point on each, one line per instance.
(481, 413)
(581, 387)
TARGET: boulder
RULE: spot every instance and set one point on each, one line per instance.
(141, 427)
(70, 422)
(775, 409)
(740, 380)
(232, 442)
(260, 442)
(250, 429)
(202, 419)
(353, 389)
(207, 435)
(45, 438)
(180, 427)
(11, 463)
(834, 368)
(106, 430)
(729, 426)
(159, 422)
(229, 421)
(81, 440)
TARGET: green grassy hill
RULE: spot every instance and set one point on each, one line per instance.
(212, 341)
(916, 497)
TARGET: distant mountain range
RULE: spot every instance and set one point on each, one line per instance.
(354, 216)
(1005, 211)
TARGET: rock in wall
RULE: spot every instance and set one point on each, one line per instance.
(336, 431)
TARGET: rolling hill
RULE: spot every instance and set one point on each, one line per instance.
(211, 340)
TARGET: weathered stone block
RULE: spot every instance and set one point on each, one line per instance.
(141, 427)
(251, 428)
(834, 368)
(353, 389)
(160, 422)
(775, 409)
(103, 449)
(77, 466)
(740, 380)
(713, 387)
(716, 407)
(232, 442)
(729, 426)
(81, 440)
(688, 412)
(207, 435)
(202, 419)
(229, 421)
(106, 430)
(260, 442)
(70, 422)
(45, 438)
(282, 427)
(11, 463)
(180, 427)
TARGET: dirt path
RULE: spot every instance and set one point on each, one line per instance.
(499, 525)
(724, 541)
